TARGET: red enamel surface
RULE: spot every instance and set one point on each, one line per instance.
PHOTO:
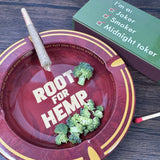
(23, 113)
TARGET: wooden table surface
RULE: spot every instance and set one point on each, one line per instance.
(142, 141)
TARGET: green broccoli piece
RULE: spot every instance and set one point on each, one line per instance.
(83, 71)
(89, 105)
(85, 121)
(77, 129)
(100, 108)
(61, 138)
(96, 122)
(90, 128)
(98, 114)
(85, 112)
(86, 131)
(72, 121)
(69, 122)
(75, 138)
(61, 128)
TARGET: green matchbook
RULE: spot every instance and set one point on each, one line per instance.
(131, 32)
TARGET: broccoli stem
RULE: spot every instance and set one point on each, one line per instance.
(81, 80)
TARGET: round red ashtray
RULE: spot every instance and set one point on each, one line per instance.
(34, 101)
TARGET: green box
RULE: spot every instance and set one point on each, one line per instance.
(132, 33)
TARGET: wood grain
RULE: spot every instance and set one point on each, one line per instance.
(142, 140)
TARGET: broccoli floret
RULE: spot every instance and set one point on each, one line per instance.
(85, 112)
(83, 71)
(94, 125)
(96, 122)
(72, 121)
(77, 129)
(75, 138)
(68, 121)
(98, 114)
(61, 128)
(89, 105)
(85, 121)
(100, 108)
(86, 131)
(61, 138)
(90, 127)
